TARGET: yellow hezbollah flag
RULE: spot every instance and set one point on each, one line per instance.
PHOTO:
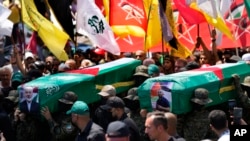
(154, 32)
(180, 50)
(52, 37)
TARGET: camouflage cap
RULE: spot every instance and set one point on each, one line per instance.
(141, 70)
(69, 97)
(108, 90)
(246, 81)
(201, 96)
(132, 94)
(13, 96)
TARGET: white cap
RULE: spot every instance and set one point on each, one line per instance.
(246, 57)
(28, 54)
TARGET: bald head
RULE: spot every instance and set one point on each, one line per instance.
(140, 55)
(71, 63)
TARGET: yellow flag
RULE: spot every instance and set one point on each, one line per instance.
(211, 13)
(181, 51)
(154, 33)
(52, 37)
(15, 14)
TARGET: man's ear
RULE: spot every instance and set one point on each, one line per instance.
(211, 126)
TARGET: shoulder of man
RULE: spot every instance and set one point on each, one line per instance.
(96, 133)
(176, 139)
(102, 111)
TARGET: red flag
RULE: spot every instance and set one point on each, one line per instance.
(128, 18)
(100, 4)
(190, 15)
(32, 44)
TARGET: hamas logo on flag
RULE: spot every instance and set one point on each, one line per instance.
(96, 24)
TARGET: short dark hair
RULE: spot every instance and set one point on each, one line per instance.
(218, 119)
(159, 118)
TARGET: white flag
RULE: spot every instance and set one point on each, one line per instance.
(224, 8)
(5, 24)
(212, 9)
(92, 23)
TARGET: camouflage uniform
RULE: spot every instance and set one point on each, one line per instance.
(26, 130)
(196, 123)
(139, 121)
(242, 97)
(61, 126)
(63, 131)
(132, 102)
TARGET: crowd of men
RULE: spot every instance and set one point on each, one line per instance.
(115, 116)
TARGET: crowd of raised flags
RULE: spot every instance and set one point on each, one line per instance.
(104, 21)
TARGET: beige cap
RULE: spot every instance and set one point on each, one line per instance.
(108, 90)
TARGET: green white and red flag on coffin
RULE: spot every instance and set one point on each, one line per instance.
(178, 88)
(86, 83)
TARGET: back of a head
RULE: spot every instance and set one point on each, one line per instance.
(182, 61)
(115, 102)
(148, 61)
(218, 119)
(192, 65)
(117, 129)
(172, 119)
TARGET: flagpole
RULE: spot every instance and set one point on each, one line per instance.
(162, 44)
(209, 30)
(197, 45)
(198, 30)
(145, 41)
(21, 20)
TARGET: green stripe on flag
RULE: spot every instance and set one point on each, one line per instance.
(247, 5)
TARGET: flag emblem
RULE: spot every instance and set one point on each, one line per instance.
(96, 24)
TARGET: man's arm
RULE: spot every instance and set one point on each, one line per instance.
(240, 94)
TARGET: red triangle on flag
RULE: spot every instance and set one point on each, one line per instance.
(90, 71)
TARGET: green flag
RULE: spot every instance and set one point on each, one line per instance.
(247, 5)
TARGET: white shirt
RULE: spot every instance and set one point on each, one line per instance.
(225, 136)
(29, 105)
